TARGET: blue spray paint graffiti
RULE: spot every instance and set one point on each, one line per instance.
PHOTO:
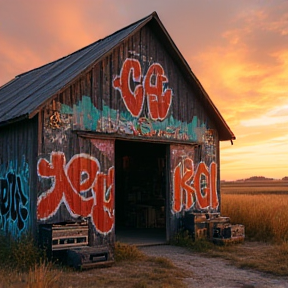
(14, 200)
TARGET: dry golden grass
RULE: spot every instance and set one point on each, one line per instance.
(43, 276)
(262, 209)
(255, 187)
(132, 269)
(147, 273)
(40, 276)
(10, 278)
(264, 257)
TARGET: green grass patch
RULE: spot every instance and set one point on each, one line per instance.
(20, 254)
(184, 239)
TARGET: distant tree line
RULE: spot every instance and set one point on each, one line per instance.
(257, 178)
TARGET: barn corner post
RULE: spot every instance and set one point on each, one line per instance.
(195, 174)
(18, 149)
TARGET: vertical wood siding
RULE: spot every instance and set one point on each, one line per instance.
(18, 182)
(105, 101)
(97, 101)
(194, 179)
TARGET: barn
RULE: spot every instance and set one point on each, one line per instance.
(117, 141)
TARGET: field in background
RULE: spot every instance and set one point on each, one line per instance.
(262, 206)
(255, 187)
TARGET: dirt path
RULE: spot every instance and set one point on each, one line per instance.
(209, 272)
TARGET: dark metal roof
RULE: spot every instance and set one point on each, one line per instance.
(26, 93)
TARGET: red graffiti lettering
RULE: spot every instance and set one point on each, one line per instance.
(205, 185)
(50, 201)
(80, 175)
(102, 214)
(159, 99)
(201, 184)
(133, 100)
(183, 192)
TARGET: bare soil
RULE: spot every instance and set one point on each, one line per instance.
(204, 271)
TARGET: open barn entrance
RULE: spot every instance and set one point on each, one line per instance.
(140, 192)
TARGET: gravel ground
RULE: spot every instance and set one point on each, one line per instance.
(209, 272)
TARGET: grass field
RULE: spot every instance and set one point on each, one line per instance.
(262, 206)
(255, 187)
(132, 269)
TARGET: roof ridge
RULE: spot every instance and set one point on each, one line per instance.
(153, 14)
(28, 92)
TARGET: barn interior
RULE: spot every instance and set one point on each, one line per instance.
(140, 192)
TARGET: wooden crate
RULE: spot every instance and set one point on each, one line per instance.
(61, 237)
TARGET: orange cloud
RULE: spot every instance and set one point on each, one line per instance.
(278, 115)
(247, 80)
(266, 158)
(15, 63)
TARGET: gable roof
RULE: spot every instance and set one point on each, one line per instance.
(24, 96)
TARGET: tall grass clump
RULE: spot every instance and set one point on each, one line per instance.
(127, 252)
(184, 239)
(43, 276)
(23, 261)
(263, 215)
(20, 254)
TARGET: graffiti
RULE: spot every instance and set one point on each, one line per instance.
(159, 101)
(14, 202)
(154, 86)
(105, 146)
(133, 100)
(194, 186)
(57, 126)
(81, 186)
(209, 146)
(87, 117)
(55, 120)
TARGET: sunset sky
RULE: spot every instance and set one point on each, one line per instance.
(237, 49)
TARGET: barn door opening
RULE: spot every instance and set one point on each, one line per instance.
(140, 192)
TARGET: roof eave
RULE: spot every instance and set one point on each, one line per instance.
(229, 135)
(14, 120)
(225, 132)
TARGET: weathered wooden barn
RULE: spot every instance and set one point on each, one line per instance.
(118, 137)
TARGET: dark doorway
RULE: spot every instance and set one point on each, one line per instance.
(140, 208)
